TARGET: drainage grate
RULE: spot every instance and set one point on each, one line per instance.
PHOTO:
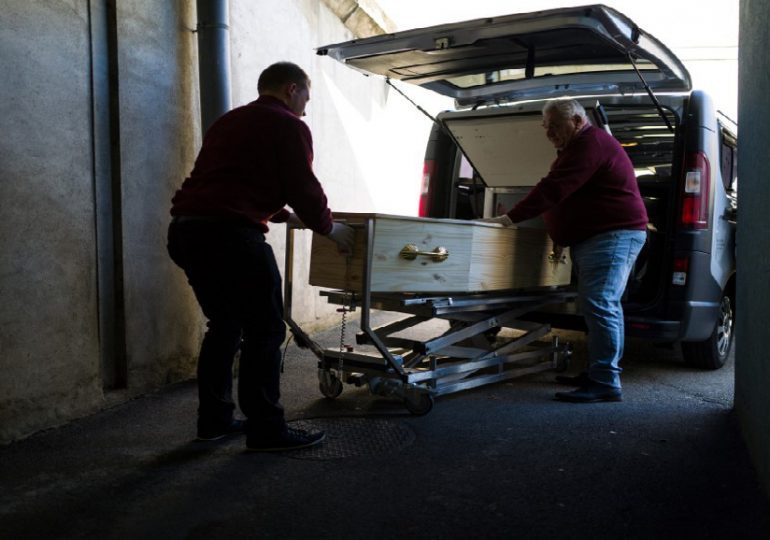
(348, 437)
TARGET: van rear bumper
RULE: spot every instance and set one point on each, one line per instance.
(696, 323)
(652, 329)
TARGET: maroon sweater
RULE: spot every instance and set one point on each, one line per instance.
(255, 160)
(591, 188)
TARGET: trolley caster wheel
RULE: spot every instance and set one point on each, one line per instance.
(329, 384)
(419, 404)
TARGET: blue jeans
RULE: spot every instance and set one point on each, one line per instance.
(603, 264)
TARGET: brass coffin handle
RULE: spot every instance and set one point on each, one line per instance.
(410, 252)
(554, 258)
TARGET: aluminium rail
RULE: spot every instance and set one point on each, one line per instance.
(472, 352)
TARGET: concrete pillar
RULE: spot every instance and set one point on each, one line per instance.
(752, 367)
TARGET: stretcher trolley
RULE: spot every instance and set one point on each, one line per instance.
(485, 341)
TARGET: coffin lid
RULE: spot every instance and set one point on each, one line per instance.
(566, 51)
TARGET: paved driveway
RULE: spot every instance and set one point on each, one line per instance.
(501, 461)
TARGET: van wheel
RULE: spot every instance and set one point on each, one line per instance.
(712, 353)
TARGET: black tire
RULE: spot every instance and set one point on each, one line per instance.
(713, 352)
(419, 404)
(331, 388)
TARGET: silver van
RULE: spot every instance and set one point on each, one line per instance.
(485, 155)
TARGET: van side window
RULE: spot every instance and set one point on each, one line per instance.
(466, 170)
(734, 184)
(728, 157)
(468, 198)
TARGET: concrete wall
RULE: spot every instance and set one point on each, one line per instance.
(49, 318)
(60, 162)
(49, 363)
(159, 136)
(752, 367)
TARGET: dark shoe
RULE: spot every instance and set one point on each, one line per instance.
(291, 439)
(578, 380)
(236, 427)
(591, 393)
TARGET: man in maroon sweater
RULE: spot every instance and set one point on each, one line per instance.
(590, 202)
(254, 161)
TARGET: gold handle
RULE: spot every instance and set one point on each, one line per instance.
(554, 258)
(410, 253)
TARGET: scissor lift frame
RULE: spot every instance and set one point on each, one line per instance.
(464, 356)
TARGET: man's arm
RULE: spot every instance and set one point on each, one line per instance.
(304, 192)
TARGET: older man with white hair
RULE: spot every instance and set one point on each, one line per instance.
(590, 202)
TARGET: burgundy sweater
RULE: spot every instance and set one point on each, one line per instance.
(591, 188)
(255, 160)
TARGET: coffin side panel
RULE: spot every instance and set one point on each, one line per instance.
(393, 273)
(480, 257)
(506, 258)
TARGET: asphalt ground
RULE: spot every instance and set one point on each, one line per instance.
(500, 461)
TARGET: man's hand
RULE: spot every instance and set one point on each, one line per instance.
(295, 222)
(344, 236)
(503, 220)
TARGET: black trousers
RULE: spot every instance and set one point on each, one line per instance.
(234, 275)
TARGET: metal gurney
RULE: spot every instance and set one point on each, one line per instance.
(486, 341)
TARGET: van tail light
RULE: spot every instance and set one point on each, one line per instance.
(679, 275)
(427, 173)
(695, 192)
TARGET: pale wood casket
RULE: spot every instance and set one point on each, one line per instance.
(411, 254)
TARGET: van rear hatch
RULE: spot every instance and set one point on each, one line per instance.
(505, 148)
(589, 50)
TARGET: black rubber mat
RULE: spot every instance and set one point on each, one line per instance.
(353, 436)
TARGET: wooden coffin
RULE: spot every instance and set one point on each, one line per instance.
(411, 254)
